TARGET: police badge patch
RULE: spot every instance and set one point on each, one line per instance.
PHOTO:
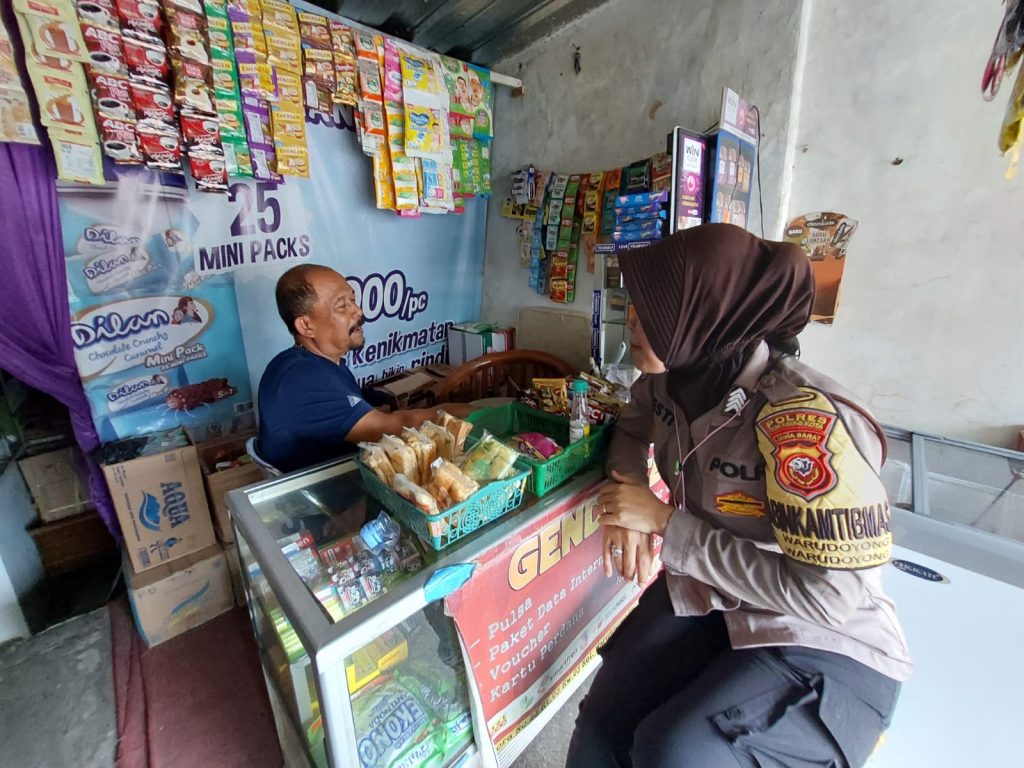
(803, 462)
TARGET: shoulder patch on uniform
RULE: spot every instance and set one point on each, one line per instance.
(353, 401)
(799, 438)
(739, 503)
(826, 504)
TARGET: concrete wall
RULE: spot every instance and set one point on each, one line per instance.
(929, 323)
(634, 54)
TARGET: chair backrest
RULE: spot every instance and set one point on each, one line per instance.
(269, 470)
(499, 374)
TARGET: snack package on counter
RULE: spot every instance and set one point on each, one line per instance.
(553, 394)
(374, 457)
(624, 202)
(425, 451)
(413, 493)
(305, 561)
(444, 441)
(394, 728)
(376, 657)
(489, 460)
(458, 428)
(401, 456)
(535, 445)
(449, 484)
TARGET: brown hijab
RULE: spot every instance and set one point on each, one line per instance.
(706, 296)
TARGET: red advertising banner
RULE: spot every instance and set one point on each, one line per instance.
(534, 612)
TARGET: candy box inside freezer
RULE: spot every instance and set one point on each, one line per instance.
(180, 595)
(157, 489)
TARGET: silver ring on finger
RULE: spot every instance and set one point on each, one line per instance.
(616, 551)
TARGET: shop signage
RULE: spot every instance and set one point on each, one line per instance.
(534, 612)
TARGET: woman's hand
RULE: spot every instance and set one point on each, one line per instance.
(627, 553)
(629, 503)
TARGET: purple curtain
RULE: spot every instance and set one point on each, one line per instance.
(35, 322)
(35, 326)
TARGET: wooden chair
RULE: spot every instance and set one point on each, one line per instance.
(499, 374)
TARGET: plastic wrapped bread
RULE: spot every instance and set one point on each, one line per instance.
(444, 441)
(413, 493)
(458, 428)
(448, 482)
(488, 460)
(401, 456)
(425, 451)
(374, 457)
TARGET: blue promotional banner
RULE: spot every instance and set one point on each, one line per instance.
(171, 290)
(413, 277)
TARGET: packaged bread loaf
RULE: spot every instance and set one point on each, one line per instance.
(444, 441)
(374, 457)
(425, 451)
(458, 428)
(447, 481)
(413, 493)
(401, 456)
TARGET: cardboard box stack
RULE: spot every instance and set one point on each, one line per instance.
(179, 595)
(225, 466)
(157, 489)
(413, 388)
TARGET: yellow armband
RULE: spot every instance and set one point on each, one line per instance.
(826, 503)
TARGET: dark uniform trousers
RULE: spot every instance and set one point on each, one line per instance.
(672, 693)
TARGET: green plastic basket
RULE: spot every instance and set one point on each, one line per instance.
(514, 418)
(495, 499)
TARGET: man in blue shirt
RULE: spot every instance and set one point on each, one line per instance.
(310, 406)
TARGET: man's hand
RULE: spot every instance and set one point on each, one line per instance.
(458, 410)
(630, 503)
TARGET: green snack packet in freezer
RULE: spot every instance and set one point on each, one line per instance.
(394, 728)
(445, 695)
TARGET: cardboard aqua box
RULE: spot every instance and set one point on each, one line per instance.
(157, 489)
(181, 595)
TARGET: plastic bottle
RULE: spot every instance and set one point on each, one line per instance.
(380, 533)
(579, 414)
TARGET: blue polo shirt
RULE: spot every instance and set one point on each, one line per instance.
(307, 407)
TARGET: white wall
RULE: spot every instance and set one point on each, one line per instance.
(633, 53)
(931, 313)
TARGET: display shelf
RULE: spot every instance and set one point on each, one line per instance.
(309, 657)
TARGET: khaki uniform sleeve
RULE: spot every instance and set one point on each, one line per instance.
(828, 511)
(631, 436)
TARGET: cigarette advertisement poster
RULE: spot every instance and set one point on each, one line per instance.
(171, 290)
(535, 611)
(825, 238)
(735, 157)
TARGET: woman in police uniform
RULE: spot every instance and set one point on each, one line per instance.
(768, 640)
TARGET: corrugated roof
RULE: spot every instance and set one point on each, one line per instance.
(481, 31)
